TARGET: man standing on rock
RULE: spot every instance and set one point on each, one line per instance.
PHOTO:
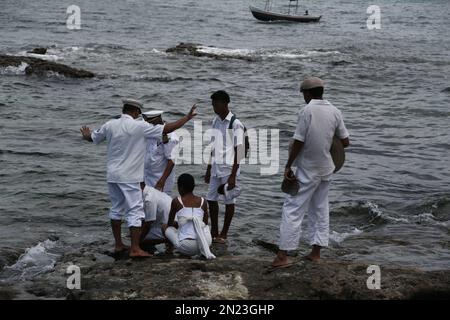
(318, 122)
(125, 167)
(223, 171)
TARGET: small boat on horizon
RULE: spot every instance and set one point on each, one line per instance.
(267, 15)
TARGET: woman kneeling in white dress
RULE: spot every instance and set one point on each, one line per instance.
(193, 236)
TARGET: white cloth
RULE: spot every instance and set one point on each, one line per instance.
(232, 193)
(312, 198)
(126, 200)
(223, 142)
(156, 157)
(318, 122)
(126, 147)
(191, 227)
(213, 195)
(187, 247)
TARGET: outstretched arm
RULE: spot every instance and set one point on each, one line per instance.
(169, 127)
(86, 133)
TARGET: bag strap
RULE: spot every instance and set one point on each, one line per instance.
(230, 126)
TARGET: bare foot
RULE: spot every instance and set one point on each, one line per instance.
(312, 257)
(280, 261)
(139, 253)
(121, 247)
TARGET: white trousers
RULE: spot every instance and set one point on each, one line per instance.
(312, 198)
(188, 247)
(126, 201)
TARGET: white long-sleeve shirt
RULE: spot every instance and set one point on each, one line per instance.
(126, 147)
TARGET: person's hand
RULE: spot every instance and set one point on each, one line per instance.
(160, 185)
(208, 176)
(288, 174)
(231, 182)
(193, 112)
(86, 133)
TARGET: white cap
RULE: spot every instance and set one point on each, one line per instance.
(152, 113)
(133, 102)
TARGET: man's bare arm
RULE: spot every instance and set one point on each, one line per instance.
(169, 127)
(297, 146)
(167, 171)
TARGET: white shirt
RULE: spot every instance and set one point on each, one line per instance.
(126, 147)
(156, 158)
(317, 124)
(223, 144)
(156, 206)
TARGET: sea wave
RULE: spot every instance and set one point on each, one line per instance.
(36, 260)
(11, 70)
(266, 53)
(338, 237)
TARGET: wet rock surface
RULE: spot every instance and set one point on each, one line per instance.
(43, 67)
(38, 51)
(228, 277)
(194, 49)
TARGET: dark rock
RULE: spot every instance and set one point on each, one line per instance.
(42, 67)
(192, 49)
(38, 51)
(446, 89)
(7, 293)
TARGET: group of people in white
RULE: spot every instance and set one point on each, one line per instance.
(141, 177)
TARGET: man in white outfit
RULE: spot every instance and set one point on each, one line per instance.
(227, 152)
(125, 167)
(318, 122)
(160, 157)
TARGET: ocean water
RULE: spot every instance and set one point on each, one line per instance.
(389, 205)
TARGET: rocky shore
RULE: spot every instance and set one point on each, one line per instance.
(228, 277)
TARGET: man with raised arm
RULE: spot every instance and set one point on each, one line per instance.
(126, 138)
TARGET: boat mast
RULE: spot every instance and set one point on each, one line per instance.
(268, 5)
(296, 6)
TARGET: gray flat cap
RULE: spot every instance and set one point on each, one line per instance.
(311, 83)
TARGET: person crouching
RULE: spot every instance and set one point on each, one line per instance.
(193, 236)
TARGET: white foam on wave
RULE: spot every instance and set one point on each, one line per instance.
(376, 212)
(338, 237)
(301, 55)
(46, 57)
(53, 53)
(36, 260)
(263, 53)
(226, 52)
(11, 70)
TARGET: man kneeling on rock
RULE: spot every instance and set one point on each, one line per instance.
(156, 208)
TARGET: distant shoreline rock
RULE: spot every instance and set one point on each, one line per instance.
(38, 51)
(41, 67)
(193, 49)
